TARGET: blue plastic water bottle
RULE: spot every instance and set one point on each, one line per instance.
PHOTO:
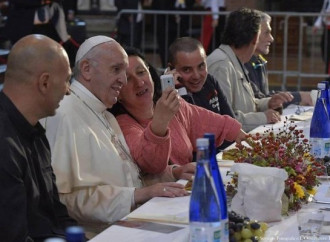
(204, 210)
(220, 187)
(75, 234)
(327, 94)
(320, 124)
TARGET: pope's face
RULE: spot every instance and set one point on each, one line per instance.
(108, 74)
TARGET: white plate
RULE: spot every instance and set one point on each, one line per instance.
(323, 177)
(225, 163)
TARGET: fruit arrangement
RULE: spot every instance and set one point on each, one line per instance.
(242, 229)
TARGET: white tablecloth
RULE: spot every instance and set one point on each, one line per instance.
(174, 211)
(285, 230)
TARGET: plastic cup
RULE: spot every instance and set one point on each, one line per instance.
(309, 224)
(314, 96)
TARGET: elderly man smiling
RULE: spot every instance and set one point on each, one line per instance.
(96, 175)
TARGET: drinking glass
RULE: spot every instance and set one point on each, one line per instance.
(309, 224)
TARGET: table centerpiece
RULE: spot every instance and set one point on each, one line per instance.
(287, 149)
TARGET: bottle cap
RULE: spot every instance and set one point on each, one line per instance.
(321, 85)
(209, 135)
(75, 233)
(202, 142)
(326, 83)
(54, 240)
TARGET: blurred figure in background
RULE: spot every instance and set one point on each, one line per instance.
(213, 25)
(324, 21)
(169, 27)
(257, 67)
(129, 26)
(4, 7)
(36, 17)
(44, 17)
(70, 9)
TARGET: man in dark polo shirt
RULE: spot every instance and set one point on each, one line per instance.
(187, 56)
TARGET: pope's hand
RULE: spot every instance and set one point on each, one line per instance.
(166, 189)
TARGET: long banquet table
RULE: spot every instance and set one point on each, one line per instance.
(166, 219)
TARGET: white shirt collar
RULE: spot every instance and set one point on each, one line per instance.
(86, 96)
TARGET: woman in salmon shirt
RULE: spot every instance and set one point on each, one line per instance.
(163, 132)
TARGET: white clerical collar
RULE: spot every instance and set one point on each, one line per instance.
(86, 96)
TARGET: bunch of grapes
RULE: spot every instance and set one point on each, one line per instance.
(242, 229)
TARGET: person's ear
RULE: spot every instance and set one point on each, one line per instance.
(255, 39)
(85, 69)
(44, 82)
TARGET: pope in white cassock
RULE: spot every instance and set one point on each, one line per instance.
(96, 177)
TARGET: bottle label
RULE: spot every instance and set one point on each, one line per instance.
(205, 232)
(225, 229)
(320, 147)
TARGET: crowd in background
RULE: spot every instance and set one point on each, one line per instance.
(87, 145)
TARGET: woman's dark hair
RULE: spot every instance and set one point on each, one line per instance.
(118, 108)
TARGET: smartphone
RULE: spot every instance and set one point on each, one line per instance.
(167, 81)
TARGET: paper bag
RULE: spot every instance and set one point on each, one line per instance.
(259, 192)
